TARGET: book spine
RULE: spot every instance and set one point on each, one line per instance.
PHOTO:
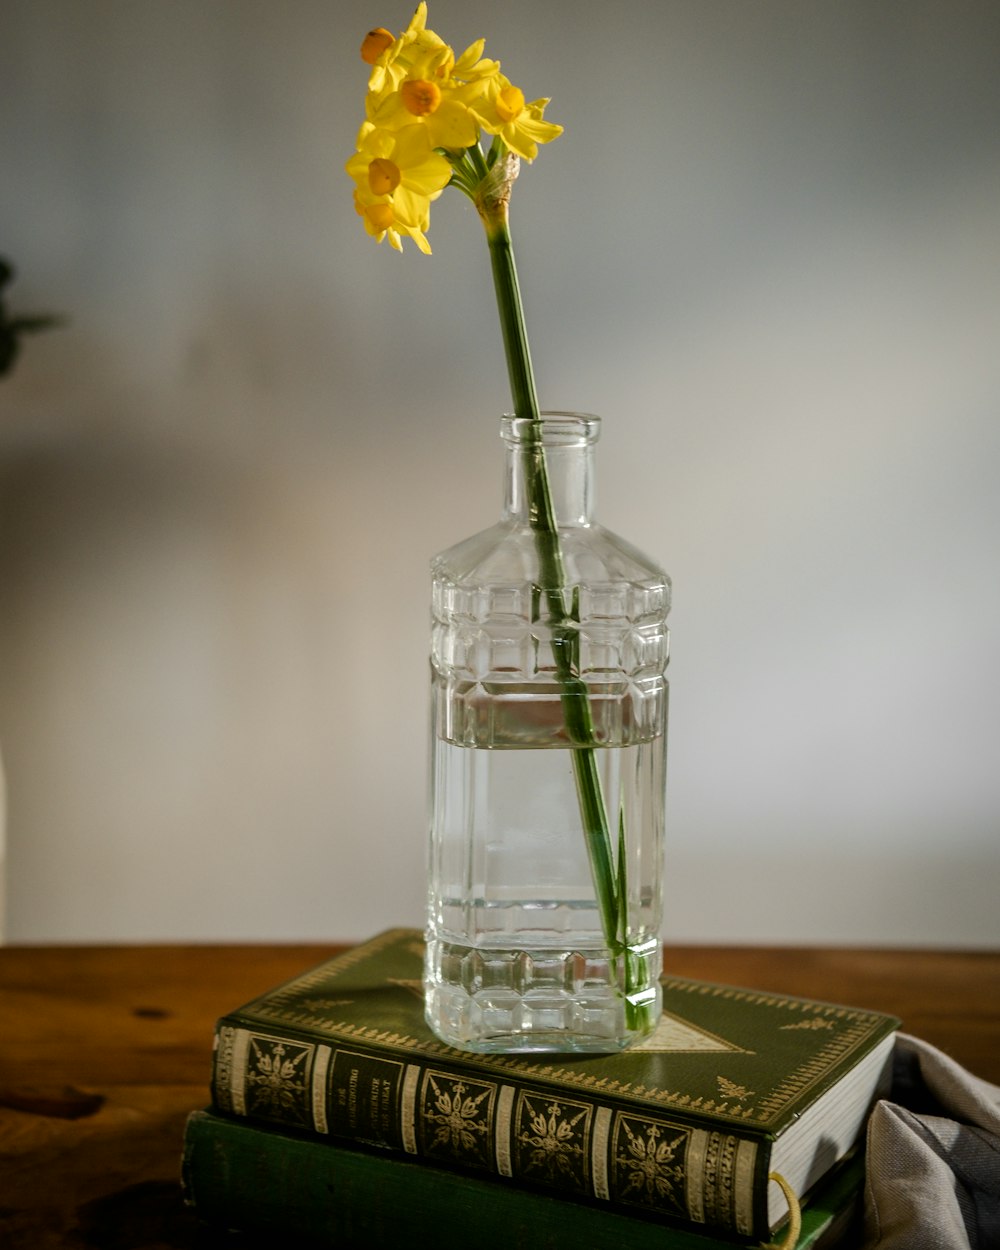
(240, 1177)
(577, 1145)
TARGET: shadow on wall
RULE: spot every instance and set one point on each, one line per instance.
(171, 627)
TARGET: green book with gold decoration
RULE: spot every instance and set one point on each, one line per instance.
(684, 1129)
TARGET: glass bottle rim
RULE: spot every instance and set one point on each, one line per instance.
(556, 429)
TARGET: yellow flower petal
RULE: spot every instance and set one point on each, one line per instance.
(452, 127)
(418, 21)
(411, 207)
(472, 65)
(413, 153)
(525, 133)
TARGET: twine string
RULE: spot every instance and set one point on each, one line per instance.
(794, 1227)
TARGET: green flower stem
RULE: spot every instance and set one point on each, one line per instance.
(565, 642)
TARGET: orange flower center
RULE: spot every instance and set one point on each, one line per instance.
(375, 43)
(420, 96)
(383, 176)
(510, 103)
(380, 215)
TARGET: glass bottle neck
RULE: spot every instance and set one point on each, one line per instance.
(565, 440)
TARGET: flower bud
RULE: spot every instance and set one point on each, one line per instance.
(375, 43)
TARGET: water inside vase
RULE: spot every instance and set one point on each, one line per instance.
(517, 954)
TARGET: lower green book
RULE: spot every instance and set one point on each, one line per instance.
(271, 1183)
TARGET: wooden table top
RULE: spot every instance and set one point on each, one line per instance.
(105, 1050)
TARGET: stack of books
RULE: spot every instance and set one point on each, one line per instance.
(339, 1119)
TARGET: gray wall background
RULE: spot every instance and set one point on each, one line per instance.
(766, 250)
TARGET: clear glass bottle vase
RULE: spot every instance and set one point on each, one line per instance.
(548, 756)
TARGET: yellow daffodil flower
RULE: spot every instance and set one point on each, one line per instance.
(425, 113)
(502, 110)
(382, 223)
(394, 61)
(421, 101)
(396, 176)
(427, 85)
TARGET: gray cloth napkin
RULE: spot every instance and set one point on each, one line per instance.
(933, 1172)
